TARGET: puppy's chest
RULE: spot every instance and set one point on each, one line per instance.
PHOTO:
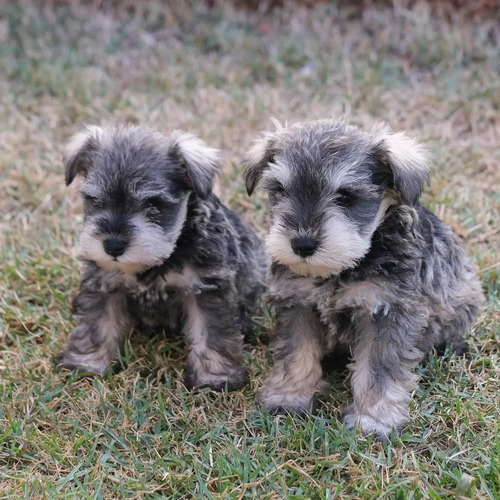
(158, 301)
(301, 290)
(340, 304)
(358, 296)
(168, 287)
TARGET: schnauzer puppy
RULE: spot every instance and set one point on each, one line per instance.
(160, 251)
(359, 266)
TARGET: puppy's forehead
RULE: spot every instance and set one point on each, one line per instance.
(338, 155)
(133, 163)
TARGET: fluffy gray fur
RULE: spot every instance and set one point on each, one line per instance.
(160, 251)
(359, 266)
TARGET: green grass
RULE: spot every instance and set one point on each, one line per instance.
(222, 73)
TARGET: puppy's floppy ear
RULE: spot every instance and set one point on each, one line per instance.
(79, 151)
(257, 159)
(201, 162)
(406, 160)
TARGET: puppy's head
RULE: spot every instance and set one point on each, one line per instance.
(329, 185)
(136, 188)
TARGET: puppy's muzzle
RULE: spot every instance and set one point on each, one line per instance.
(304, 247)
(114, 247)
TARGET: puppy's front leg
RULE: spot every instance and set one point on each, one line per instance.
(383, 372)
(215, 342)
(94, 343)
(298, 348)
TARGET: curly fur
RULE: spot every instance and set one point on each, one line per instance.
(388, 281)
(188, 262)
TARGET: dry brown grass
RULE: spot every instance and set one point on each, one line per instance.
(222, 73)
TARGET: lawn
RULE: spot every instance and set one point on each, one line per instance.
(221, 73)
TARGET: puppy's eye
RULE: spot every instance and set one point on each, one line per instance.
(157, 202)
(278, 188)
(345, 197)
(90, 199)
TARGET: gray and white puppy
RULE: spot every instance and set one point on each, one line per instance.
(160, 251)
(359, 266)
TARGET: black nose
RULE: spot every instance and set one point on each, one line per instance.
(304, 247)
(114, 247)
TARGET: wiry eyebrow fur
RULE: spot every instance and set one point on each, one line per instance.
(278, 171)
(144, 195)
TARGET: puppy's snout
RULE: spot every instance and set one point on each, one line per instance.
(114, 247)
(304, 247)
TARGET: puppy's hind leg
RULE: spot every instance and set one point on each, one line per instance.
(94, 343)
(450, 334)
(215, 341)
(297, 375)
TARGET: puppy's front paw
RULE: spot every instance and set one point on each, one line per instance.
(281, 403)
(90, 349)
(368, 425)
(82, 363)
(234, 380)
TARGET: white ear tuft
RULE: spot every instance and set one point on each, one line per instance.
(406, 153)
(77, 152)
(77, 142)
(407, 159)
(202, 162)
(257, 158)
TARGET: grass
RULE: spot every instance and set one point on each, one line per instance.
(222, 73)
